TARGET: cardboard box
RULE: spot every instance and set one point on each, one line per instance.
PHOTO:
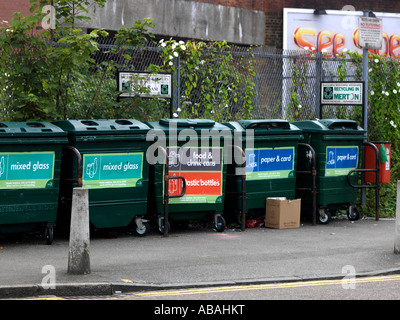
(282, 213)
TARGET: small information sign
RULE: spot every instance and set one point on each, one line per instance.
(370, 33)
(342, 93)
(131, 83)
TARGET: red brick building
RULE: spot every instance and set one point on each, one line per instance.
(8, 7)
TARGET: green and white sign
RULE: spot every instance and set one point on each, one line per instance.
(342, 93)
(116, 170)
(24, 170)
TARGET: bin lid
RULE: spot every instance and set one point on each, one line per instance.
(265, 126)
(197, 125)
(330, 126)
(30, 129)
(189, 123)
(103, 126)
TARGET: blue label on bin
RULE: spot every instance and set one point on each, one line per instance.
(269, 163)
(341, 160)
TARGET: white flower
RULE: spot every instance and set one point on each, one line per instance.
(171, 63)
(179, 109)
(394, 91)
(202, 62)
(299, 106)
(161, 41)
(175, 54)
(181, 42)
(306, 48)
(372, 92)
(387, 93)
(398, 84)
(324, 50)
(183, 47)
(170, 57)
(370, 70)
(175, 115)
(174, 45)
(163, 44)
(345, 50)
(392, 123)
(376, 60)
(312, 48)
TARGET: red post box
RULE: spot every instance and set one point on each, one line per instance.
(384, 149)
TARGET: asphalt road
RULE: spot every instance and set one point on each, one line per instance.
(201, 257)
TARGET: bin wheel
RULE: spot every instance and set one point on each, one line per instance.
(143, 230)
(324, 216)
(220, 223)
(161, 225)
(353, 214)
(49, 235)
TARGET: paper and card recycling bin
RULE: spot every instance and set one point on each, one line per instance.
(270, 147)
(337, 144)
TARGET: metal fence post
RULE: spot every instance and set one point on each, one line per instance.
(177, 85)
(318, 73)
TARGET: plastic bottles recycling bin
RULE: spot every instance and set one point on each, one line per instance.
(109, 158)
(337, 144)
(30, 156)
(270, 147)
(194, 156)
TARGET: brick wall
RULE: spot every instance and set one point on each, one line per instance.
(274, 11)
(8, 7)
(243, 4)
(278, 5)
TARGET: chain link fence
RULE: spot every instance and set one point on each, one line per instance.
(256, 83)
(285, 84)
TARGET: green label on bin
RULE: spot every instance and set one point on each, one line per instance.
(115, 170)
(340, 160)
(24, 170)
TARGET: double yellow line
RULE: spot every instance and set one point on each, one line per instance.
(268, 286)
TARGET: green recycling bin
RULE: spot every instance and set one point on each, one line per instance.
(108, 157)
(270, 148)
(30, 156)
(337, 144)
(193, 156)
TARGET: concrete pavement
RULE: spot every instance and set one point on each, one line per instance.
(199, 256)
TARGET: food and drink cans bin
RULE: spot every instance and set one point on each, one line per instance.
(30, 156)
(109, 158)
(270, 147)
(337, 144)
(195, 151)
